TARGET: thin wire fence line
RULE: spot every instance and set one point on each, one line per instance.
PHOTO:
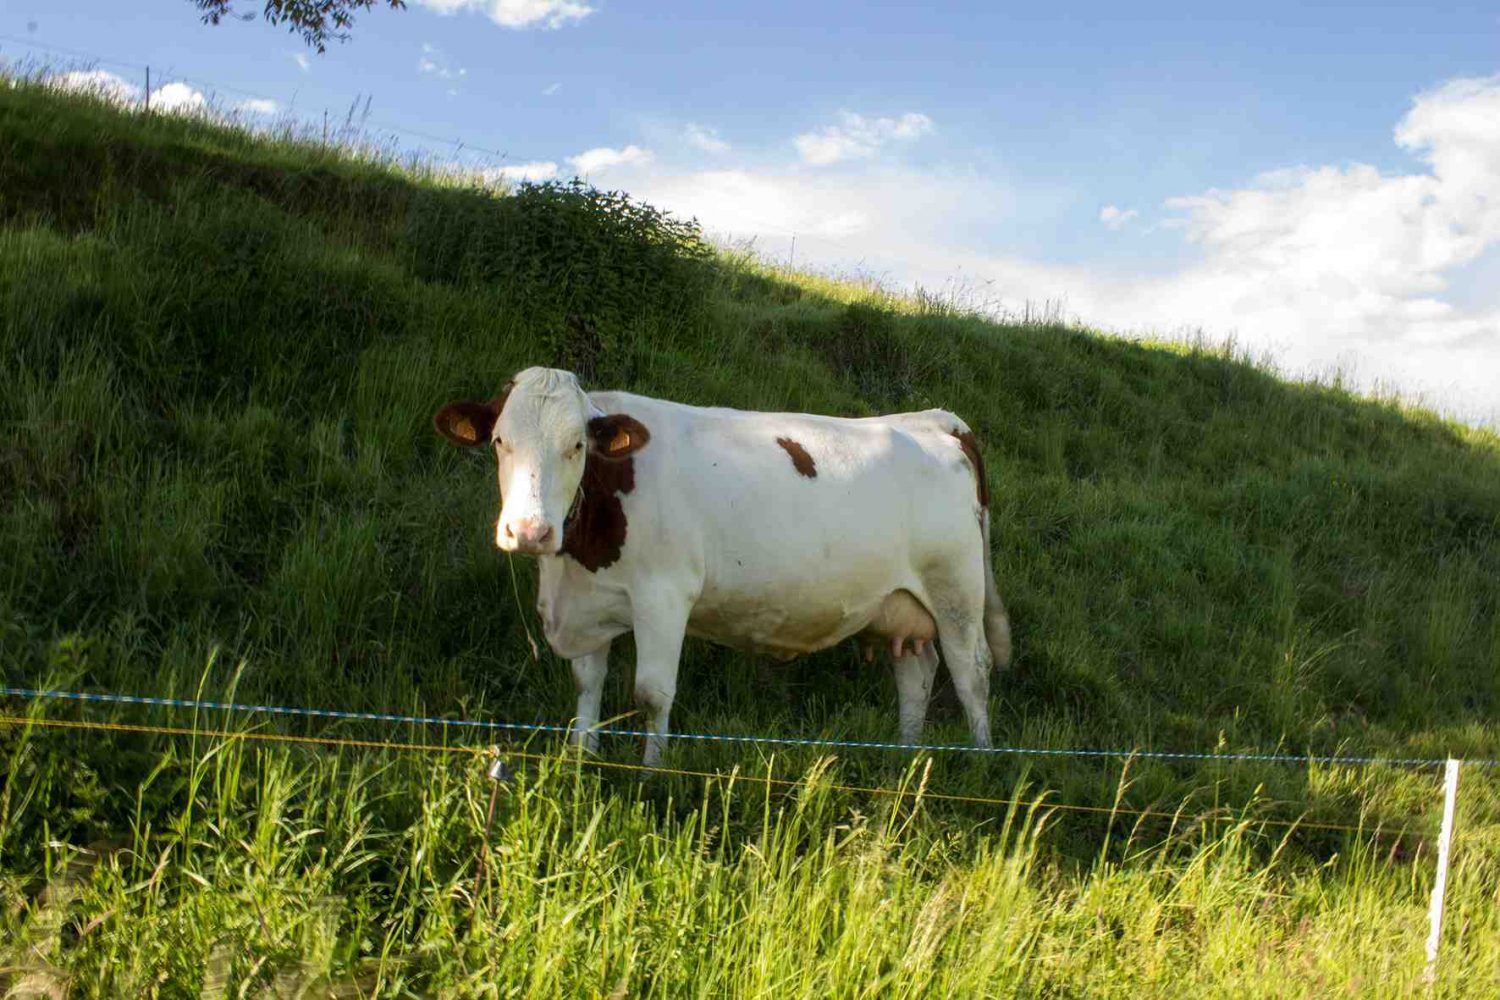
(78, 53)
(1332, 760)
(920, 792)
(759, 229)
(213, 85)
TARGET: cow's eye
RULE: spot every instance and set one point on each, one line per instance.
(578, 447)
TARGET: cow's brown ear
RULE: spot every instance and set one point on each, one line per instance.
(617, 436)
(467, 423)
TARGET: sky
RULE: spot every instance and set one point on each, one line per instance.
(1321, 186)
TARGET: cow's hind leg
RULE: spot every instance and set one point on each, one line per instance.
(968, 660)
(914, 674)
(588, 676)
(959, 611)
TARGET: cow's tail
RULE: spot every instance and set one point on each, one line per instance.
(996, 621)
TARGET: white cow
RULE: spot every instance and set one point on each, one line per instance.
(782, 533)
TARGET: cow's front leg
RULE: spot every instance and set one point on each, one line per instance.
(588, 675)
(660, 624)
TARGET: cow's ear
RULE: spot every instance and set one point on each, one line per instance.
(617, 436)
(467, 423)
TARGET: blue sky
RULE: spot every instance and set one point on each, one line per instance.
(1153, 167)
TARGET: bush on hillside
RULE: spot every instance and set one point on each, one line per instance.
(564, 250)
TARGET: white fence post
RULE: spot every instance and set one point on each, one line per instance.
(1440, 885)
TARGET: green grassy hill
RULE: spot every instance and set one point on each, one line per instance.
(220, 356)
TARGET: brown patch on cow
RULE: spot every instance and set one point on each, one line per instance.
(970, 444)
(801, 460)
(594, 533)
(468, 423)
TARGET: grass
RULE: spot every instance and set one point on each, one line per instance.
(216, 475)
(336, 886)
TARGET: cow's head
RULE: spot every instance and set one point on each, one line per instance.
(544, 432)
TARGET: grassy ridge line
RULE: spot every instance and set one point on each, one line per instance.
(216, 477)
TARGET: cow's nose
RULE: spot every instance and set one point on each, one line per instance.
(530, 534)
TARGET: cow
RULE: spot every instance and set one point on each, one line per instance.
(779, 533)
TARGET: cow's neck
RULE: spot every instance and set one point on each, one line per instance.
(594, 532)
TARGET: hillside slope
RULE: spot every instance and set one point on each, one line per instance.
(225, 355)
(220, 359)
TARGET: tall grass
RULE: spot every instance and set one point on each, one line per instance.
(284, 873)
(216, 474)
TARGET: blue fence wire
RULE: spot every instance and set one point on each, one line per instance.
(489, 725)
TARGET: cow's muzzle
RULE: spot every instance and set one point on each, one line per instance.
(531, 535)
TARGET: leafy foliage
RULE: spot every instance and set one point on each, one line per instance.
(591, 271)
(316, 22)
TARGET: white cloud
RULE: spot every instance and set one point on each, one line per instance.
(100, 82)
(517, 14)
(884, 217)
(258, 106)
(303, 63)
(434, 63)
(174, 97)
(1115, 217)
(1346, 268)
(856, 137)
(551, 89)
(602, 158)
(178, 98)
(706, 139)
(755, 203)
(1319, 268)
(1353, 259)
(517, 173)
